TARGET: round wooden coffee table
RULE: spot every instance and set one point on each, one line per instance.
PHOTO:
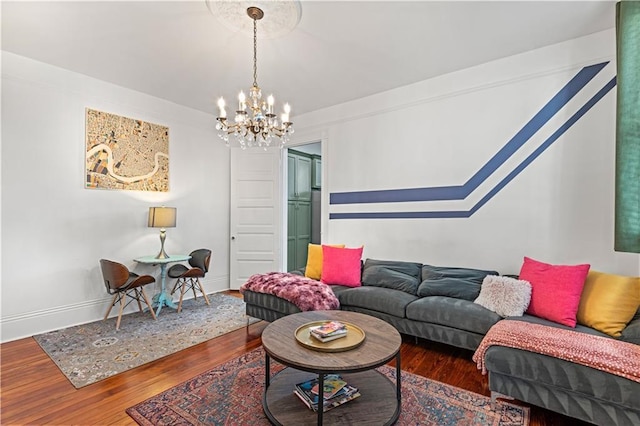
(380, 400)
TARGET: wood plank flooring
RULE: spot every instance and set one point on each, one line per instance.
(34, 391)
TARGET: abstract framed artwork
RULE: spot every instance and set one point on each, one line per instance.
(125, 153)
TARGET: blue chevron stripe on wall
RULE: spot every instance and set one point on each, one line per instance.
(460, 192)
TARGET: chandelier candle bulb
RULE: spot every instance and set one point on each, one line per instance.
(270, 102)
(223, 113)
(241, 101)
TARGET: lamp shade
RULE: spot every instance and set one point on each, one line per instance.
(162, 217)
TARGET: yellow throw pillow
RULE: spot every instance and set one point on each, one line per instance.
(314, 261)
(608, 302)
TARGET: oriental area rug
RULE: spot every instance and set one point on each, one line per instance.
(91, 352)
(231, 395)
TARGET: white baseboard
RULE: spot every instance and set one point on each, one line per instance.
(27, 324)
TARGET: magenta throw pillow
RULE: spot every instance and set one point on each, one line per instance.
(341, 266)
(555, 289)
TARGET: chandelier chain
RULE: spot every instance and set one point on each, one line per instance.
(255, 52)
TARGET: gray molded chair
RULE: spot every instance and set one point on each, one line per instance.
(189, 278)
(121, 282)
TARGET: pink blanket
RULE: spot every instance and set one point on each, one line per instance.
(305, 293)
(602, 353)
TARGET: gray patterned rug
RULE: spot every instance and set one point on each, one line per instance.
(92, 352)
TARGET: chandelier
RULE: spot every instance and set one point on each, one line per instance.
(255, 124)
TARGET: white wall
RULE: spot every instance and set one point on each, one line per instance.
(434, 133)
(54, 231)
(439, 132)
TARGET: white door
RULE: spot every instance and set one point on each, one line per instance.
(256, 217)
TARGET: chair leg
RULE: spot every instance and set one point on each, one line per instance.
(113, 301)
(193, 288)
(138, 300)
(122, 300)
(183, 290)
(175, 286)
(146, 300)
(201, 288)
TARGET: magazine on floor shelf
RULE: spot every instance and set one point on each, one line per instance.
(336, 392)
(345, 395)
(332, 385)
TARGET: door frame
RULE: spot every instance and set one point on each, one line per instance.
(300, 140)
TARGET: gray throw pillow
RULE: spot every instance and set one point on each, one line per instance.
(459, 283)
(396, 275)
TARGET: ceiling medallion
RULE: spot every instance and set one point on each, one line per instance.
(282, 16)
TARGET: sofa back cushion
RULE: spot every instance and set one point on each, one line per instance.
(396, 275)
(459, 283)
(631, 332)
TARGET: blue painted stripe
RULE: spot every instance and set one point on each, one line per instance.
(526, 162)
(460, 192)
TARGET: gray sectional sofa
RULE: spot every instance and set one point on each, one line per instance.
(436, 303)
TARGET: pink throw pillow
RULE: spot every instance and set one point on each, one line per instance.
(341, 266)
(555, 289)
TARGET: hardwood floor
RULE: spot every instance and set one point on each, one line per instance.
(33, 390)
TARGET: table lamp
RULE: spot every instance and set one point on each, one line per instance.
(162, 217)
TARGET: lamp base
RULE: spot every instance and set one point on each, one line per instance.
(162, 254)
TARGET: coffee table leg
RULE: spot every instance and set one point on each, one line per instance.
(267, 371)
(398, 380)
(320, 398)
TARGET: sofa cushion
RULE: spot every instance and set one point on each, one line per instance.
(396, 275)
(608, 302)
(537, 320)
(505, 296)
(631, 332)
(379, 299)
(341, 266)
(459, 283)
(313, 269)
(562, 385)
(452, 312)
(555, 289)
(270, 302)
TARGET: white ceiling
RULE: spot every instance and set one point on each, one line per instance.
(339, 51)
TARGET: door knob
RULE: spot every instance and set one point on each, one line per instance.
(233, 237)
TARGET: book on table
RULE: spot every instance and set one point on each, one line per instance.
(328, 338)
(336, 392)
(328, 331)
(329, 328)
